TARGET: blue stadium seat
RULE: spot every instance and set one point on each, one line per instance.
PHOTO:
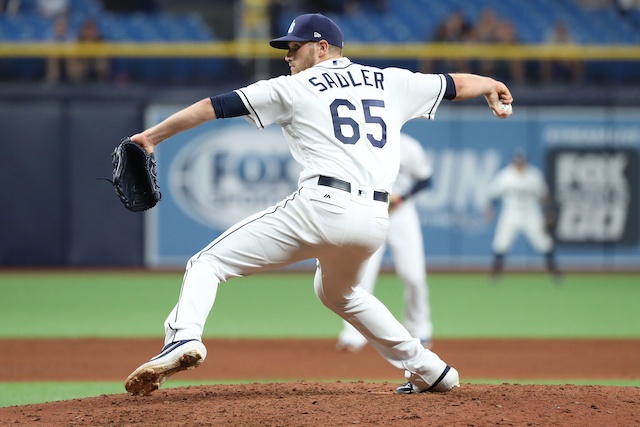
(419, 18)
(404, 21)
(634, 18)
(86, 7)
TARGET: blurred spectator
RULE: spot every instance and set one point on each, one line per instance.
(561, 71)
(491, 29)
(454, 29)
(10, 7)
(53, 8)
(354, 6)
(512, 70)
(56, 67)
(485, 27)
(88, 69)
(484, 32)
(626, 6)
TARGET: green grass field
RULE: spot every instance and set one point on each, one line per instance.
(117, 304)
(59, 304)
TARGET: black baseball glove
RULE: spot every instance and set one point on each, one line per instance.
(134, 176)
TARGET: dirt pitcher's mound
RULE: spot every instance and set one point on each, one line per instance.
(316, 403)
(343, 404)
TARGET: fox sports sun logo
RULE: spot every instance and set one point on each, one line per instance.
(225, 175)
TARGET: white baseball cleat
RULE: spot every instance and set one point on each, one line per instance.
(174, 357)
(445, 382)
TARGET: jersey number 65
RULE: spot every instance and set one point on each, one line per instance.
(339, 122)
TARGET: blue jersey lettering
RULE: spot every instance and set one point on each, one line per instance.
(378, 79)
(329, 80)
(314, 81)
(366, 77)
(353, 82)
(342, 80)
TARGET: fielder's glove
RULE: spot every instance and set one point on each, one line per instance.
(134, 176)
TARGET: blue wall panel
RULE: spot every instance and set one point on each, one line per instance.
(32, 204)
(101, 230)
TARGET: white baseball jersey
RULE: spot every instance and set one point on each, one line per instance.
(342, 102)
(521, 193)
(414, 165)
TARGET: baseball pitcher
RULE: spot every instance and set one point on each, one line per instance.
(342, 122)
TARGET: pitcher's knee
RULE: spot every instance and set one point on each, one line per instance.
(337, 305)
(338, 302)
(208, 266)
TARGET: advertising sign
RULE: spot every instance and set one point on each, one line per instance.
(223, 171)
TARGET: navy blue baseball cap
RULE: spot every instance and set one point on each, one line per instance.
(311, 27)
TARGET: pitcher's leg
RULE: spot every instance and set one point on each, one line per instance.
(349, 337)
(368, 282)
(197, 295)
(417, 311)
(374, 320)
(264, 241)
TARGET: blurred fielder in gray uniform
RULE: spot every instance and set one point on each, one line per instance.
(406, 245)
(526, 208)
(342, 122)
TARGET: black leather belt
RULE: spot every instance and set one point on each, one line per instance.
(327, 181)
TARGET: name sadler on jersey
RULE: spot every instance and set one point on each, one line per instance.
(339, 80)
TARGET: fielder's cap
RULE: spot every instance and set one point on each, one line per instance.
(311, 27)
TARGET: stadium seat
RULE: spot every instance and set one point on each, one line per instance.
(403, 21)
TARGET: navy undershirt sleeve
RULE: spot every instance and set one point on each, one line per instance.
(417, 187)
(450, 93)
(228, 105)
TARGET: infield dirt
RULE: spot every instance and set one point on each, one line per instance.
(302, 388)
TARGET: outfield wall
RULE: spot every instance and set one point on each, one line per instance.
(56, 144)
(224, 171)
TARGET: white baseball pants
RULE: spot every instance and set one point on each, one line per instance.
(338, 228)
(405, 242)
